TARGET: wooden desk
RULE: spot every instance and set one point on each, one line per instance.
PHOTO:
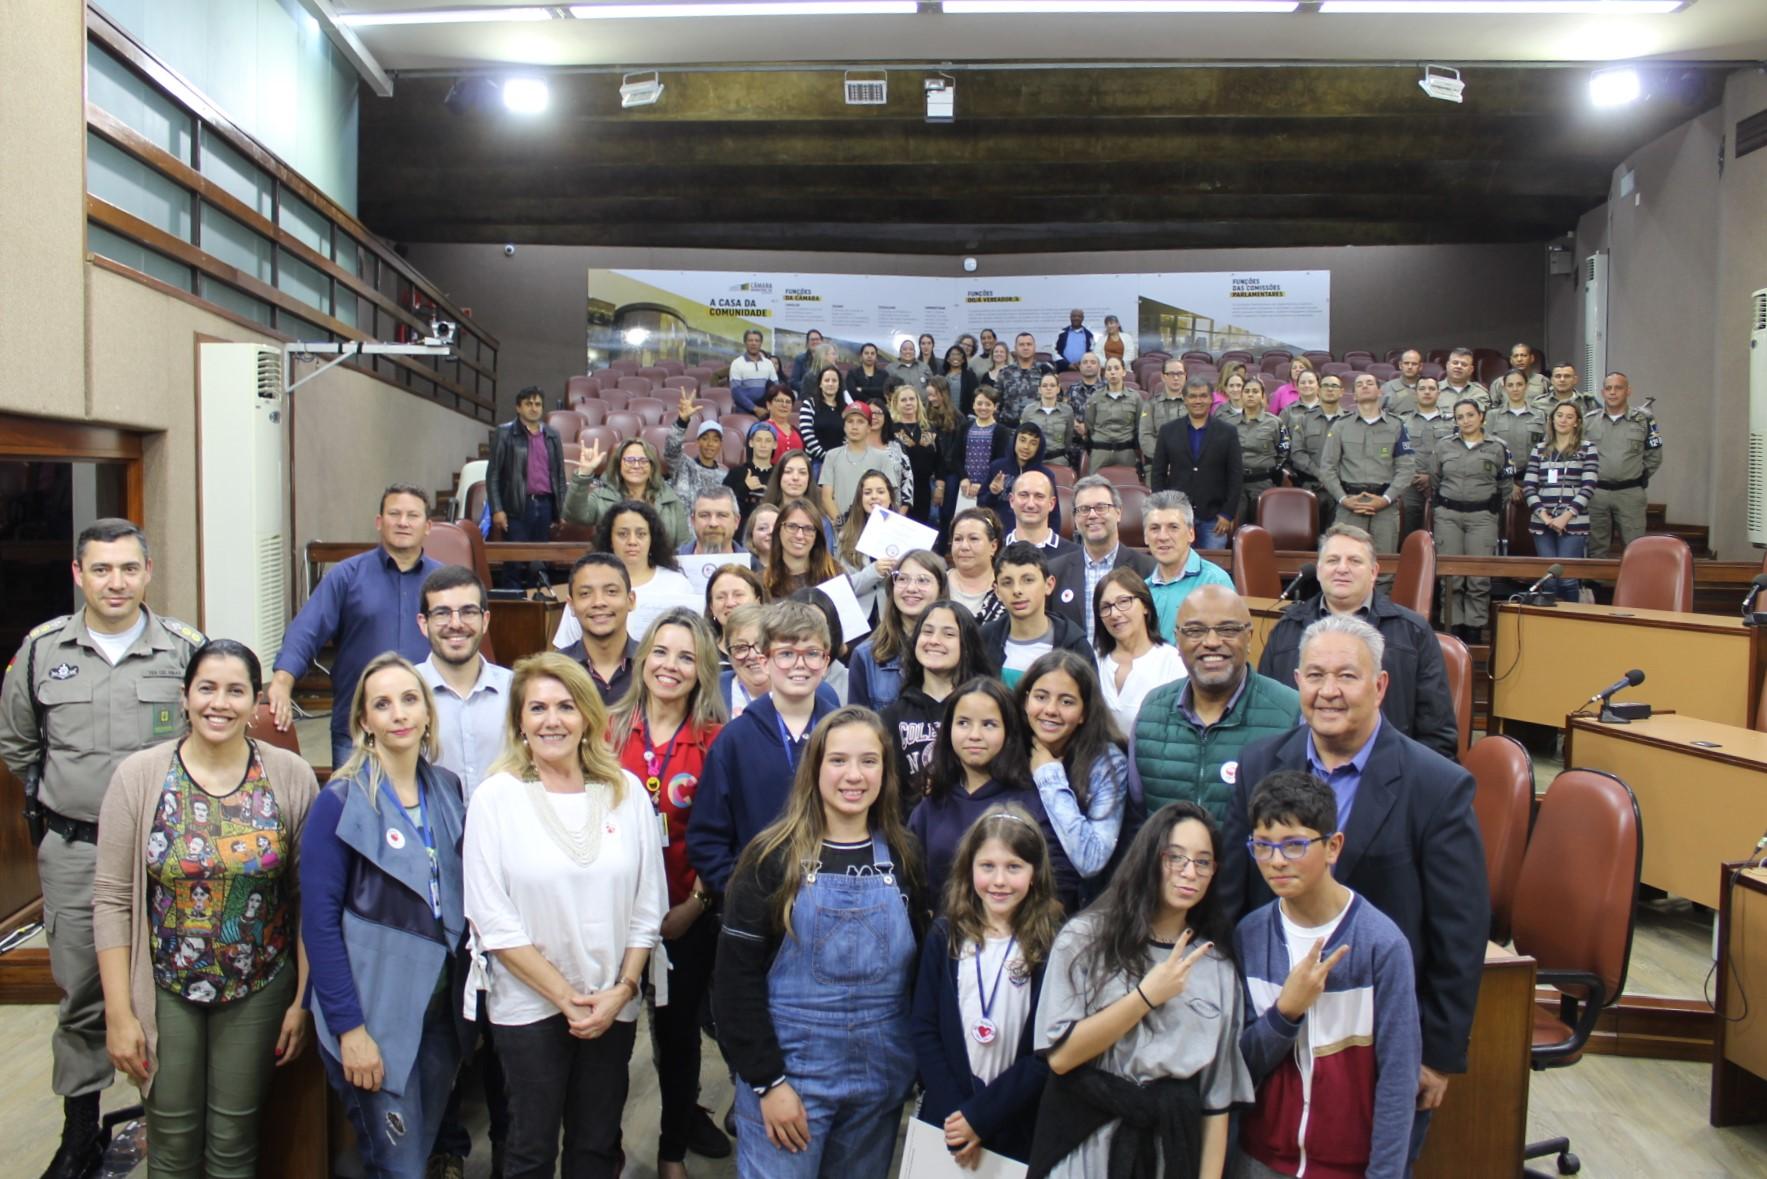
(1483, 1124)
(1699, 807)
(1265, 612)
(1739, 1065)
(1546, 661)
(522, 628)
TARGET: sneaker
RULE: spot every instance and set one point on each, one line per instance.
(445, 1166)
(704, 1138)
(81, 1152)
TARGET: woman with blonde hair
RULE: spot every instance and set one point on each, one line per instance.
(636, 473)
(382, 921)
(563, 852)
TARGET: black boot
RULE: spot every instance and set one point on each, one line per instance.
(82, 1145)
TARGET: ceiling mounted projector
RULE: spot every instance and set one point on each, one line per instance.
(640, 89)
(1445, 84)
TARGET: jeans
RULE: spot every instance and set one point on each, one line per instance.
(211, 1079)
(396, 1132)
(532, 526)
(675, 1030)
(561, 1080)
(1208, 538)
(453, 1137)
(1565, 544)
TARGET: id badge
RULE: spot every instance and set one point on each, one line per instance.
(1552, 474)
(663, 822)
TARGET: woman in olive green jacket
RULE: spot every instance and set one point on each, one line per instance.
(636, 473)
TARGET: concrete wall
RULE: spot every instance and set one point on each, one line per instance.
(1381, 297)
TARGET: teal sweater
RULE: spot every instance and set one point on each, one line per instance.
(1169, 760)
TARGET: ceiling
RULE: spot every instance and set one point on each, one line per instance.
(1065, 138)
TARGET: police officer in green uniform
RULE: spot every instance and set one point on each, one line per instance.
(1166, 406)
(1521, 426)
(1473, 474)
(1631, 450)
(1425, 427)
(1367, 464)
(1307, 444)
(1564, 388)
(85, 691)
(1263, 445)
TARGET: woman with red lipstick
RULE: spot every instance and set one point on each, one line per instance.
(662, 730)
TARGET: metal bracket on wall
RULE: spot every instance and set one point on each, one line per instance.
(348, 350)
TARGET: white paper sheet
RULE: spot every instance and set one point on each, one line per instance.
(887, 535)
(854, 623)
(924, 1157)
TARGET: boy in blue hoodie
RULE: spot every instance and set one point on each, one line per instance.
(1332, 1036)
(750, 766)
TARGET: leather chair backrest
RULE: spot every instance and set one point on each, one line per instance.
(1457, 665)
(1254, 563)
(1656, 573)
(1291, 516)
(1579, 881)
(1134, 506)
(582, 386)
(1503, 802)
(475, 505)
(262, 727)
(593, 412)
(1414, 583)
(1119, 476)
(568, 422)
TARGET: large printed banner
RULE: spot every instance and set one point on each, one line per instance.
(701, 315)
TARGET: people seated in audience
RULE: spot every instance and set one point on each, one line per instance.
(195, 919)
(661, 732)
(1457, 379)
(800, 554)
(914, 583)
(1168, 524)
(706, 468)
(634, 473)
(1111, 420)
(601, 602)
(976, 539)
(383, 924)
(795, 1002)
(749, 479)
(1054, 416)
(1165, 407)
(1140, 1015)
(1199, 456)
(750, 766)
(973, 1043)
(363, 606)
(566, 891)
(865, 380)
(751, 373)
(1073, 341)
(1263, 448)
(1188, 738)
(1334, 1091)
(1399, 393)
(943, 649)
(1411, 842)
(842, 468)
(1000, 490)
(1098, 511)
(1416, 698)
(1630, 450)
(1026, 629)
(869, 578)
(524, 479)
(907, 432)
(1366, 463)
(1018, 381)
(1077, 763)
(819, 415)
(1558, 485)
(1133, 658)
(908, 366)
(1473, 475)
(983, 440)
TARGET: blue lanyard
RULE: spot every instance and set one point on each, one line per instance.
(985, 996)
(791, 753)
(427, 834)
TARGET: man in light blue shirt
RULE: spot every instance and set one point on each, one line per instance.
(472, 693)
(1168, 524)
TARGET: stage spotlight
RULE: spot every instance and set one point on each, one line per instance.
(1615, 87)
(1444, 85)
(640, 89)
(526, 96)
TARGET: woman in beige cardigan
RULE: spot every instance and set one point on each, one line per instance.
(196, 922)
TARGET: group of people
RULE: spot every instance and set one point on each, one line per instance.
(1044, 846)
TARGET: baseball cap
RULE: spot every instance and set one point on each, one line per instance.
(708, 428)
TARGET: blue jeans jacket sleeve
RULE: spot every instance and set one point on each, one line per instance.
(1090, 836)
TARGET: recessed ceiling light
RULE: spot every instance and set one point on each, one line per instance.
(442, 16)
(1095, 7)
(1503, 7)
(704, 8)
(526, 96)
(1615, 87)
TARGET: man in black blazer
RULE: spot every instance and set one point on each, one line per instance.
(1098, 513)
(1199, 455)
(1411, 842)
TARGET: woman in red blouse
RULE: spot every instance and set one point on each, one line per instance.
(662, 729)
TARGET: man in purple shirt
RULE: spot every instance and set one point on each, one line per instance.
(367, 604)
(524, 480)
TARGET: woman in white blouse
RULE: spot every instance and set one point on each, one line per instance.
(1133, 658)
(565, 893)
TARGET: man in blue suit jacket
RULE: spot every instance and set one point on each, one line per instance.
(1411, 842)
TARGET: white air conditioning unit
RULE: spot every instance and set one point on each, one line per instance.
(243, 495)
(1594, 319)
(866, 87)
(1758, 417)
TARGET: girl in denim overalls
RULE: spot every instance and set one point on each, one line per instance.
(815, 965)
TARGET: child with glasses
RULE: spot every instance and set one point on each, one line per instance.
(1332, 1037)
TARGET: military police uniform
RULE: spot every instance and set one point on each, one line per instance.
(1398, 398)
(1424, 434)
(1307, 451)
(1263, 447)
(1155, 414)
(1364, 457)
(1585, 401)
(1471, 485)
(68, 714)
(1110, 429)
(1472, 392)
(1521, 432)
(1631, 450)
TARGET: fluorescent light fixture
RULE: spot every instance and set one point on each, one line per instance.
(640, 89)
(1502, 7)
(704, 8)
(1095, 7)
(1615, 87)
(442, 16)
(1442, 82)
(526, 96)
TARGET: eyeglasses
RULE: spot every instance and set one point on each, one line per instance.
(799, 529)
(442, 614)
(634, 460)
(1177, 861)
(1197, 631)
(1263, 850)
(743, 652)
(914, 580)
(1093, 509)
(784, 658)
(1116, 606)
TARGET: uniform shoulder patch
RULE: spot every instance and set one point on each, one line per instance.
(37, 632)
(182, 630)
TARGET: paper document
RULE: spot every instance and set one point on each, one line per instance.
(854, 623)
(924, 1157)
(887, 535)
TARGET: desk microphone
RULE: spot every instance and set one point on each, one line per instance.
(1553, 572)
(1630, 680)
(1534, 595)
(1749, 614)
(1310, 572)
(1620, 714)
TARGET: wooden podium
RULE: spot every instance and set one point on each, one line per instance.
(1739, 1065)
(522, 628)
(1482, 1127)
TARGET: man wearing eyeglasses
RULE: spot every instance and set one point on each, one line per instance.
(1098, 513)
(1411, 842)
(1189, 734)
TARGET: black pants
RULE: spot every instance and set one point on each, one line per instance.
(675, 1030)
(558, 1080)
(453, 1138)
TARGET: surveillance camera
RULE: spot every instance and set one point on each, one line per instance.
(969, 265)
(509, 250)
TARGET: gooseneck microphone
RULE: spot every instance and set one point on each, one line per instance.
(1630, 680)
(1748, 603)
(1553, 572)
(1310, 572)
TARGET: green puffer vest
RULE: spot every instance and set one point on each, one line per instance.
(1176, 765)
